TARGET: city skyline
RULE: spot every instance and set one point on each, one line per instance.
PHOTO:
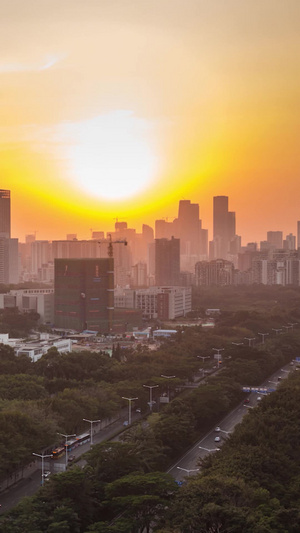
(121, 109)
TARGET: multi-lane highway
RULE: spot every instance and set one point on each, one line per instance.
(188, 464)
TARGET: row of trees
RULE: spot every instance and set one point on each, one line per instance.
(251, 485)
(65, 388)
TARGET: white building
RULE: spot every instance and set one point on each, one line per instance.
(35, 349)
(165, 303)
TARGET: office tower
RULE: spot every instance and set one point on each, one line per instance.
(164, 229)
(139, 275)
(298, 234)
(275, 239)
(41, 254)
(231, 225)
(9, 261)
(216, 272)
(84, 294)
(290, 242)
(167, 261)
(188, 227)
(97, 235)
(223, 226)
(5, 213)
(120, 226)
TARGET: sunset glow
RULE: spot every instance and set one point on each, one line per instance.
(120, 109)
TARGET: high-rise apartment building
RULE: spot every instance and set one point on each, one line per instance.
(5, 213)
(275, 239)
(167, 261)
(84, 294)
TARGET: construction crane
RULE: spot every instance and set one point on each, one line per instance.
(110, 242)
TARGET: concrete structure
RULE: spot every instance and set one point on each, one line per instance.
(275, 239)
(9, 261)
(5, 213)
(216, 272)
(39, 300)
(167, 261)
(35, 349)
(164, 303)
(84, 294)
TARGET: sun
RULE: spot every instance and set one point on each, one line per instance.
(111, 156)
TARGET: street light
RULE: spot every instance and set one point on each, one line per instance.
(129, 407)
(292, 325)
(287, 328)
(66, 444)
(237, 343)
(202, 357)
(168, 377)
(91, 422)
(187, 470)
(249, 339)
(219, 356)
(42, 457)
(277, 330)
(274, 382)
(150, 387)
(209, 449)
(263, 337)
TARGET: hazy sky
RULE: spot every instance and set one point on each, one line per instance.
(120, 108)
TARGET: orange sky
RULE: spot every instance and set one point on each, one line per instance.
(120, 108)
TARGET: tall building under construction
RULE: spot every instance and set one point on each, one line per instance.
(84, 294)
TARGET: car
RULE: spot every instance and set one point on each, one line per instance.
(217, 429)
(217, 439)
(71, 458)
(46, 476)
(259, 398)
(138, 410)
(246, 400)
(126, 423)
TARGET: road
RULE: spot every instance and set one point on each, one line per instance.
(188, 464)
(29, 485)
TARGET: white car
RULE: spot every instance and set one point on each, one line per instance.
(217, 429)
(259, 398)
(217, 439)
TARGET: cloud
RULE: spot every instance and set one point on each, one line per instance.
(47, 63)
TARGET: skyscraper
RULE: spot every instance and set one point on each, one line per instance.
(223, 227)
(5, 213)
(84, 294)
(167, 261)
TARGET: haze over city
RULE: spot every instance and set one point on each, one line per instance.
(122, 108)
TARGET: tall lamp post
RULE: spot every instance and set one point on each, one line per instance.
(249, 339)
(91, 422)
(150, 387)
(129, 407)
(66, 444)
(287, 328)
(187, 470)
(42, 457)
(168, 377)
(219, 356)
(277, 330)
(292, 325)
(263, 337)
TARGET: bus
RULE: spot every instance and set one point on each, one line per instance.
(77, 441)
(58, 452)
